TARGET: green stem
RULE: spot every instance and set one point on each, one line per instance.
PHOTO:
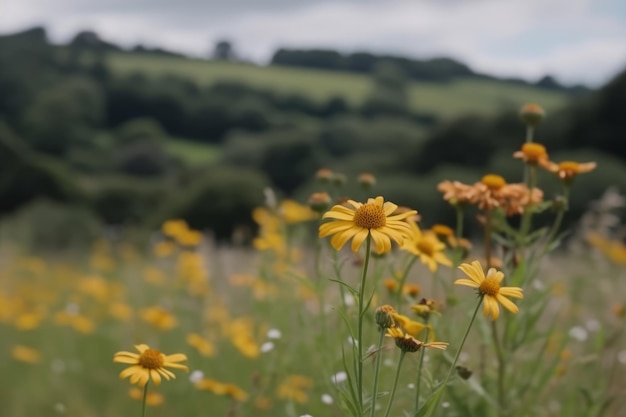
(530, 132)
(395, 384)
(381, 337)
(558, 220)
(337, 270)
(145, 395)
(359, 347)
(501, 365)
(459, 222)
(487, 237)
(405, 274)
(526, 222)
(458, 353)
(419, 378)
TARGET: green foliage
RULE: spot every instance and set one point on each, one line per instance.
(289, 158)
(47, 225)
(120, 200)
(220, 199)
(141, 130)
(63, 115)
(389, 93)
(37, 176)
(447, 101)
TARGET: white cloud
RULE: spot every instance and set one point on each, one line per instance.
(526, 38)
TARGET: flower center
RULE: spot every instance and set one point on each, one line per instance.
(370, 216)
(426, 246)
(533, 152)
(493, 182)
(490, 286)
(151, 359)
(569, 167)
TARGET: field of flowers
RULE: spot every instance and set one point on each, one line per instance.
(336, 308)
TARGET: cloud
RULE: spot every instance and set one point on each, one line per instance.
(527, 38)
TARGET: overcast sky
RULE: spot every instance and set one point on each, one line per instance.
(577, 41)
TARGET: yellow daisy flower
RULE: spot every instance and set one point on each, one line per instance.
(427, 246)
(489, 287)
(374, 218)
(149, 363)
(408, 343)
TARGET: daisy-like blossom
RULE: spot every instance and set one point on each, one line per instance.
(456, 192)
(408, 343)
(568, 170)
(514, 198)
(488, 192)
(427, 247)
(357, 221)
(489, 287)
(411, 327)
(149, 364)
(532, 153)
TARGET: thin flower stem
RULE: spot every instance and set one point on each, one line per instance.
(405, 274)
(419, 379)
(395, 384)
(530, 132)
(501, 365)
(381, 337)
(488, 237)
(337, 270)
(459, 222)
(458, 352)
(143, 403)
(558, 220)
(359, 347)
(526, 222)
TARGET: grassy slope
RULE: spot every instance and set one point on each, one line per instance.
(445, 100)
(193, 153)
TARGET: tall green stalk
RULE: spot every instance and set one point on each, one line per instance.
(419, 371)
(395, 384)
(405, 274)
(501, 365)
(458, 353)
(359, 347)
(381, 337)
(143, 403)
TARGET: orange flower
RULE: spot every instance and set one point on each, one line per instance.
(568, 170)
(532, 153)
(456, 192)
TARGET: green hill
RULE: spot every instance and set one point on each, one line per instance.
(449, 100)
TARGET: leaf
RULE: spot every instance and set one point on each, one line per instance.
(432, 403)
(351, 289)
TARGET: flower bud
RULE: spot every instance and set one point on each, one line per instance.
(319, 202)
(366, 180)
(384, 316)
(532, 114)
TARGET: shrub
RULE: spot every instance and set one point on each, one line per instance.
(220, 199)
(47, 225)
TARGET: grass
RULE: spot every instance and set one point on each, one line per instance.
(193, 154)
(445, 100)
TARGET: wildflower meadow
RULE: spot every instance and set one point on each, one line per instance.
(337, 306)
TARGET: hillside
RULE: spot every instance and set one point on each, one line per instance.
(445, 100)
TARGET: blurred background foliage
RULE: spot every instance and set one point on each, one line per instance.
(95, 136)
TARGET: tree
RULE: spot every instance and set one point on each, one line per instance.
(390, 92)
(224, 51)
